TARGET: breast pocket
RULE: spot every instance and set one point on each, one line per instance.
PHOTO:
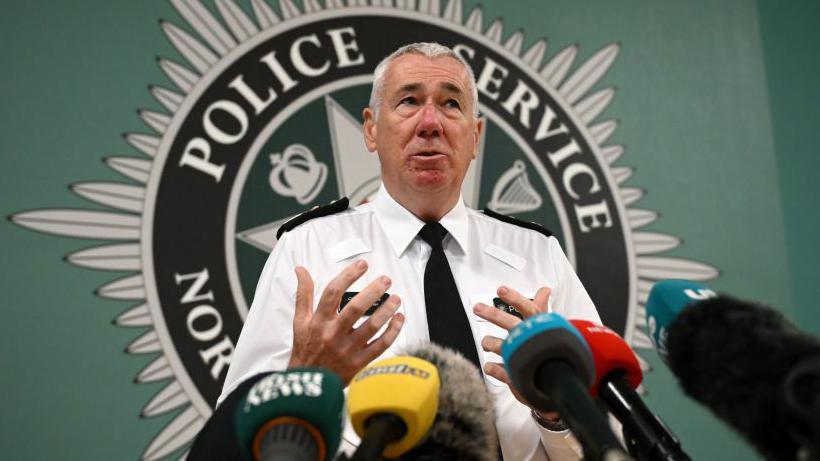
(487, 328)
(354, 290)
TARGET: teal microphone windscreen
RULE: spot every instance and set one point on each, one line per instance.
(298, 412)
(666, 300)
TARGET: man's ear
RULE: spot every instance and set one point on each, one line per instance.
(369, 129)
(479, 128)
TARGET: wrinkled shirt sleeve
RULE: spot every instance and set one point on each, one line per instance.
(571, 300)
(267, 334)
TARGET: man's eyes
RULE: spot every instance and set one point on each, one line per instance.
(452, 103)
(414, 101)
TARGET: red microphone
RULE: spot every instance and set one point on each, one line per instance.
(610, 354)
(617, 375)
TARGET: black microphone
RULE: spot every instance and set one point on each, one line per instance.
(751, 367)
(617, 375)
(550, 365)
(464, 424)
(217, 441)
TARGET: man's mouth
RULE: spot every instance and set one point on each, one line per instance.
(428, 154)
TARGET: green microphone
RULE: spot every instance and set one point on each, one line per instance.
(292, 415)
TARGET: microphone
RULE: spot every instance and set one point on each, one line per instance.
(751, 367)
(551, 366)
(617, 375)
(392, 404)
(291, 415)
(464, 424)
(666, 300)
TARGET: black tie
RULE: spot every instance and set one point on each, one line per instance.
(446, 320)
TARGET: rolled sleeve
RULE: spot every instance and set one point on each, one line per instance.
(560, 446)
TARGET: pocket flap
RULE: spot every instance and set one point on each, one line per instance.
(348, 248)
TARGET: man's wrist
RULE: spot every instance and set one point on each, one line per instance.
(554, 425)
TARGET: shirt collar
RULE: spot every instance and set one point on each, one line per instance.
(401, 226)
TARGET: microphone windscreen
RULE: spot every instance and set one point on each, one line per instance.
(666, 300)
(464, 425)
(610, 353)
(310, 398)
(733, 356)
(540, 339)
(407, 387)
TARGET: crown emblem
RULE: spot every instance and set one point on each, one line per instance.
(296, 173)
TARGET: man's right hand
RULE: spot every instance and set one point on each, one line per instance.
(325, 338)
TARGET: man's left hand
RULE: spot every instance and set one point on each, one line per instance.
(527, 307)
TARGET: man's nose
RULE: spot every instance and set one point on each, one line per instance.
(429, 124)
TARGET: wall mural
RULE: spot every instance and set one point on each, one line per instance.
(263, 121)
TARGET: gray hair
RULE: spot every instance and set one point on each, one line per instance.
(430, 50)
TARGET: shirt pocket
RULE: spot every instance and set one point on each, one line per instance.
(487, 328)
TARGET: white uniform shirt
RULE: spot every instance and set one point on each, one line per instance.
(483, 253)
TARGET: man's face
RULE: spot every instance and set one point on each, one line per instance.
(425, 132)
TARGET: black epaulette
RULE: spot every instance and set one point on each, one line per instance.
(517, 222)
(318, 211)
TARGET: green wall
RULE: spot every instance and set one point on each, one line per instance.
(715, 102)
(791, 33)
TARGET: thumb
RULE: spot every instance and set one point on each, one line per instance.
(541, 298)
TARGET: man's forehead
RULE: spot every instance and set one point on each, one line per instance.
(414, 71)
(418, 86)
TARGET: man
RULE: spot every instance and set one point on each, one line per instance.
(423, 123)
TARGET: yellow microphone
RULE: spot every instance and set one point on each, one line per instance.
(392, 404)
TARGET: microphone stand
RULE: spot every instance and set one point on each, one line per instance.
(578, 410)
(646, 437)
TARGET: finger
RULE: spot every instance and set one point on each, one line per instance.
(363, 301)
(542, 298)
(380, 344)
(304, 295)
(492, 344)
(379, 318)
(332, 293)
(496, 316)
(497, 371)
(522, 304)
